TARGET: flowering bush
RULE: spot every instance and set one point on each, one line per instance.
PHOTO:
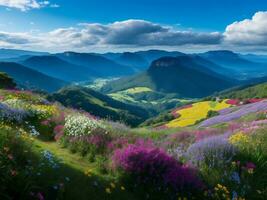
(214, 152)
(151, 165)
(79, 125)
(12, 115)
(239, 139)
(43, 111)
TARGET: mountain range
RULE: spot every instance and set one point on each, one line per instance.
(31, 79)
(182, 75)
(183, 72)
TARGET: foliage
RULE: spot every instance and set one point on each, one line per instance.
(6, 82)
(149, 165)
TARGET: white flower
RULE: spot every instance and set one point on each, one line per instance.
(80, 125)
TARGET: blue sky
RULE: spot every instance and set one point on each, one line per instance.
(35, 18)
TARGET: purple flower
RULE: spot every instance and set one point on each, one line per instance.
(150, 164)
(235, 113)
(213, 151)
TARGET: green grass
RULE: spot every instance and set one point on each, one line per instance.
(80, 186)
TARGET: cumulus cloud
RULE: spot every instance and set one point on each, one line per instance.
(17, 38)
(25, 5)
(248, 32)
(129, 33)
(145, 33)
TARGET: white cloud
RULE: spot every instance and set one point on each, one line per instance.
(121, 34)
(25, 5)
(248, 32)
(247, 35)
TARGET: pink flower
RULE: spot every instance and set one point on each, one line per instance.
(40, 196)
(45, 123)
(250, 165)
(59, 132)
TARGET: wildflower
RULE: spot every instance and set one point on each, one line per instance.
(14, 173)
(239, 138)
(250, 167)
(6, 149)
(122, 188)
(113, 185)
(10, 156)
(235, 177)
(88, 172)
(108, 190)
(147, 161)
(40, 196)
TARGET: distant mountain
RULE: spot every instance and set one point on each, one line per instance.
(31, 78)
(100, 105)
(133, 60)
(255, 58)
(58, 68)
(212, 66)
(181, 75)
(244, 68)
(13, 53)
(101, 65)
(151, 55)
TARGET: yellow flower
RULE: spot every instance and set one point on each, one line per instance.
(88, 172)
(108, 190)
(122, 188)
(113, 185)
(250, 171)
(239, 138)
(189, 116)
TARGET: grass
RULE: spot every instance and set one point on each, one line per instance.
(81, 186)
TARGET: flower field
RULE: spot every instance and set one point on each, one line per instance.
(48, 151)
(197, 111)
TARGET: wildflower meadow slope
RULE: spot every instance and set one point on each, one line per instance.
(48, 151)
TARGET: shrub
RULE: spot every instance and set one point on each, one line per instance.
(150, 165)
(214, 151)
(80, 125)
(12, 115)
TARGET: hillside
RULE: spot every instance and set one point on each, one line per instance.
(99, 64)
(100, 105)
(180, 75)
(29, 78)
(247, 92)
(64, 153)
(58, 68)
(6, 82)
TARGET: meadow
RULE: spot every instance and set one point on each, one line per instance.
(48, 151)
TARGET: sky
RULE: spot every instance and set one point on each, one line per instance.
(120, 25)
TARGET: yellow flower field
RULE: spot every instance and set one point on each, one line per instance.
(198, 111)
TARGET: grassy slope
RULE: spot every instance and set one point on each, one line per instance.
(257, 91)
(74, 168)
(100, 105)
